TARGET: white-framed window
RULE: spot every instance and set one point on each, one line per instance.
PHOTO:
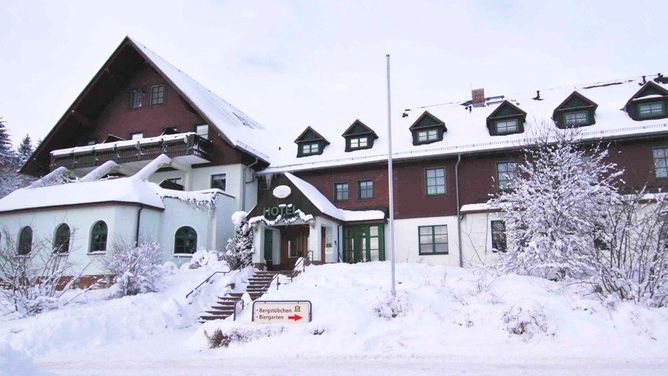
(660, 162)
(506, 126)
(433, 240)
(310, 148)
(506, 172)
(136, 135)
(359, 142)
(427, 135)
(651, 109)
(202, 130)
(575, 118)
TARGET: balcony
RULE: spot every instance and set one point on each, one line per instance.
(184, 148)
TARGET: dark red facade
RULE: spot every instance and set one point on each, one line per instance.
(477, 179)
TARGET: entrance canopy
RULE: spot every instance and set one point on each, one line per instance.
(293, 200)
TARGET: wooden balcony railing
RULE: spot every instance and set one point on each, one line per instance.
(179, 145)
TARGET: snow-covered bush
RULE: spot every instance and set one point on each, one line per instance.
(239, 250)
(34, 282)
(389, 307)
(633, 256)
(206, 259)
(135, 268)
(553, 208)
(526, 321)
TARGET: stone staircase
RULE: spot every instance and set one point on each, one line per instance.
(225, 305)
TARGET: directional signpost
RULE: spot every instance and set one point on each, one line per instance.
(282, 311)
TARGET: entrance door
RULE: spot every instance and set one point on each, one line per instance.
(294, 244)
(363, 243)
(323, 243)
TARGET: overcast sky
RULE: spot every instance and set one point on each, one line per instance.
(290, 64)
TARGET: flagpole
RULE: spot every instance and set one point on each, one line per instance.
(390, 175)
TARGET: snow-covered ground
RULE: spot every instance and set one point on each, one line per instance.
(451, 321)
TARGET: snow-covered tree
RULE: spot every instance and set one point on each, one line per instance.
(7, 155)
(135, 268)
(553, 207)
(25, 149)
(239, 250)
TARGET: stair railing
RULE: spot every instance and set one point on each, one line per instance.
(206, 280)
(236, 303)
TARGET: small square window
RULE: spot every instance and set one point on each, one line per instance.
(506, 172)
(136, 135)
(365, 189)
(576, 118)
(202, 130)
(433, 239)
(341, 191)
(136, 96)
(219, 181)
(157, 95)
(651, 109)
(506, 126)
(660, 162)
(435, 181)
(498, 236)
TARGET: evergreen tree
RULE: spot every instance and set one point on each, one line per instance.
(6, 152)
(239, 250)
(25, 150)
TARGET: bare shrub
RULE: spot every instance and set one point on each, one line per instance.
(135, 268)
(633, 256)
(36, 281)
(390, 306)
(526, 321)
(220, 338)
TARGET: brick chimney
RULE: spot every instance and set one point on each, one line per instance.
(478, 97)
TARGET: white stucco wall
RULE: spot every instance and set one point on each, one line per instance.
(120, 220)
(406, 241)
(477, 239)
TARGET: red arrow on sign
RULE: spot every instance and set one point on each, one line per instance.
(295, 317)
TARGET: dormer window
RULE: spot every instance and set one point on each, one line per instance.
(506, 126)
(575, 111)
(651, 110)
(576, 118)
(427, 129)
(310, 143)
(506, 119)
(648, 103)
(312, 148)
(358, 136)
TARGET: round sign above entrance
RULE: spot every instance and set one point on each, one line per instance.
(282, 191)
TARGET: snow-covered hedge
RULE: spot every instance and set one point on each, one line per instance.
(136, 268)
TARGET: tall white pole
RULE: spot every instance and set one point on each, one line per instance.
(390, 175)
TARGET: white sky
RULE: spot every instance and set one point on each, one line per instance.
(290, 64)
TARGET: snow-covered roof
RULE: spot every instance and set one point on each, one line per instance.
(467, 130)
(135, 189)
(237, 127)
(326, 207)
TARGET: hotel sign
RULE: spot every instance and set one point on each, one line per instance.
(282, 210)
(282, 311)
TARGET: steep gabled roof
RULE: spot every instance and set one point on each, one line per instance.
(359, 128)
(507, 108)
(575, 101)
(310, 134)
(427, 120)
(237, 128)
(649, 88)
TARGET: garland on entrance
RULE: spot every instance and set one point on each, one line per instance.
(298, 216)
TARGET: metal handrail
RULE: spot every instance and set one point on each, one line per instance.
(206, 280)
(278, 282)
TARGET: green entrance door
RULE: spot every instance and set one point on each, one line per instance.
(363, 243)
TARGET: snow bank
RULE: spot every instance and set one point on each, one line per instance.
(444, 312)
(13, 363)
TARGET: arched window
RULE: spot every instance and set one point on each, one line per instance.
(25, 241)
(61, 241)
(185, 240)
(98, 237)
